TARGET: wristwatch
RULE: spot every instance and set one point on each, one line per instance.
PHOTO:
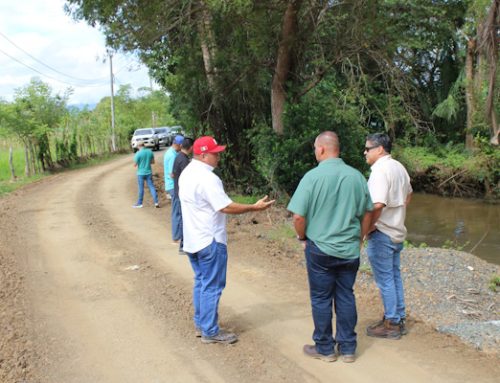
(301, 239)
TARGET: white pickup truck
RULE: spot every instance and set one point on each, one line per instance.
(148, 136)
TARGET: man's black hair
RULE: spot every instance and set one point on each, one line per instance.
(380, 139)
(187, 143)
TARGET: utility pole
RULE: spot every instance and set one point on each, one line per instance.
(113, 139)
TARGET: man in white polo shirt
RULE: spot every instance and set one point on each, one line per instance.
(204, 206)
(390, 191)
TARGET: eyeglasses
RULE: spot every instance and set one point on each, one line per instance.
(367, 149)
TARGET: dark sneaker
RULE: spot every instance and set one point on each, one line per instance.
(221, 337)
(387, 330)
(310, 351)
(402, 326)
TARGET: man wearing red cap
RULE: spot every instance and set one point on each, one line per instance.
(204, 206)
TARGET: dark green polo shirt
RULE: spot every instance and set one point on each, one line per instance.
(333, 198)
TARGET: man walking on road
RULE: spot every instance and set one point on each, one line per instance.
(204, 206)
(390, 190)
(142, 161)
(331, 209)
(180, 163)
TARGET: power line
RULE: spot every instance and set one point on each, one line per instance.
(53, 78)
(48, 66)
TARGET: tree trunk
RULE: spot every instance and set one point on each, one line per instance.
(208, 46)
(11, 165)
(283, 64)
(469, 92)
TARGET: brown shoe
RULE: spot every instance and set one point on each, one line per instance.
(387, 330)
(310, 350)
(377, 323)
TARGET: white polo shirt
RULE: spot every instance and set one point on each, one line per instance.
(389, 183)
(202, 197)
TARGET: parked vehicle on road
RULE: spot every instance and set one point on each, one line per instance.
(174, 131)
(148, 136)
(163, 133)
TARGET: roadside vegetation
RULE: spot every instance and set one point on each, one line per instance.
(266, 77)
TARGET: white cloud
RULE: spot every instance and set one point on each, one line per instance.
(75, 50)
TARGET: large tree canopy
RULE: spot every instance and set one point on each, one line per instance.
(236, 67)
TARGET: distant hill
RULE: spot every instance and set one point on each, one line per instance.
(82, 106)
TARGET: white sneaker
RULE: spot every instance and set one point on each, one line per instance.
(157, 205)
(137, 206)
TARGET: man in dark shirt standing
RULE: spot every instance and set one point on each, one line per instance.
(180, 162)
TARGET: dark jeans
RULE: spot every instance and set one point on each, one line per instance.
(331, 279)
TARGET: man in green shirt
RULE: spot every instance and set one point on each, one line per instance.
(331, 209)
(142, 161)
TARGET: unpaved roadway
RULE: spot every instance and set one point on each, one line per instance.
(106, 298)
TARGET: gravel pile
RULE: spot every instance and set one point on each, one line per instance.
(449, 289)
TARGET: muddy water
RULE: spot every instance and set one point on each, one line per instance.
(473, 225)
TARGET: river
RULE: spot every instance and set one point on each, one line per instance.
(471, 224)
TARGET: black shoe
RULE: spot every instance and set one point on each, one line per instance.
(402, 326)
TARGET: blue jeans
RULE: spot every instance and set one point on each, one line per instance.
(149, 180)
(332, 279)
(209, 266)
(384, 256)
(176, 216)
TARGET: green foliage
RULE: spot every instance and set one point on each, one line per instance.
(478, 172)
(246, 199)
(454, 245)
(407, 244)
(494, 284)
(365, 268)
(8, 186)
(282, 160)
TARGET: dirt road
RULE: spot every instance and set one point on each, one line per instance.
(108, 299)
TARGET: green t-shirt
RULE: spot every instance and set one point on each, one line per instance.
(333, 198)
(143, 160)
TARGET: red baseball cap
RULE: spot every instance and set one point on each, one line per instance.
(207, 144)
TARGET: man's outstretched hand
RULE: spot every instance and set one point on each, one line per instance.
(263, 203)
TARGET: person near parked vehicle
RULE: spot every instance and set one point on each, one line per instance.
(204, 205)
(180, 163)
(331, 213)
(143, 160)
(168, 164)
(391, 191)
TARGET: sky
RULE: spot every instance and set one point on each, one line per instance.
(37, 39)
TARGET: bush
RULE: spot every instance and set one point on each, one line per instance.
(283, 160)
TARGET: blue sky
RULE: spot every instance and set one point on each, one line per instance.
(38, 34)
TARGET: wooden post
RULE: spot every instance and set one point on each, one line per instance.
(11, 165)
